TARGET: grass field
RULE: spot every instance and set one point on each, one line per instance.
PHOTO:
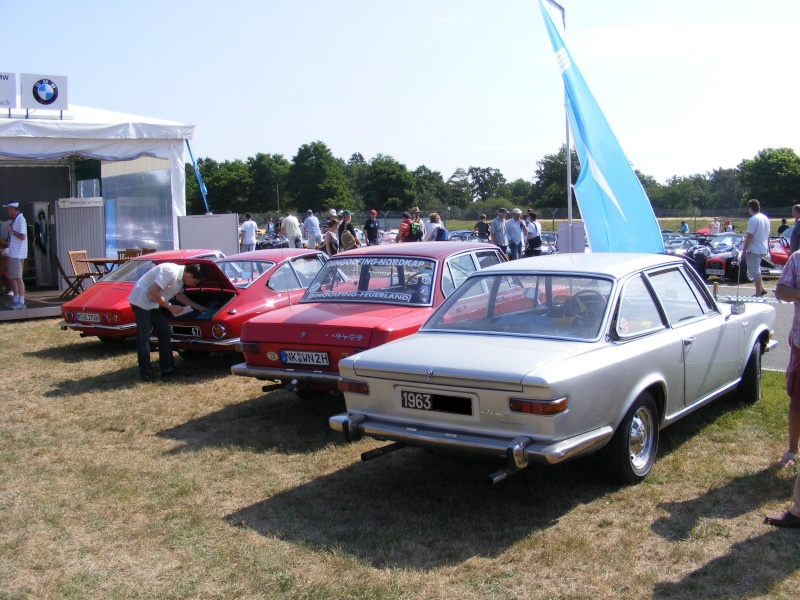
(209, 488)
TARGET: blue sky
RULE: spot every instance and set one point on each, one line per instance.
(687, 86)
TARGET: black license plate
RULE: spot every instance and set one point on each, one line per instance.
(185, 330)
(457, 405)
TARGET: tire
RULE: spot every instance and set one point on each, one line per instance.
(629, 456)
(110, 340)
(749, 388)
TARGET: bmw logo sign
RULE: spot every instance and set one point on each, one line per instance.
(45, 91)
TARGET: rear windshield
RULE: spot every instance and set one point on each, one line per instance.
(393, 280)
(130, 271)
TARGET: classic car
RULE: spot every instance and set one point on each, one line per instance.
(360, 299)
(779, 250)
(268, 241)
(103, 309)
(541, 361)
(238, 288)
(724, 260)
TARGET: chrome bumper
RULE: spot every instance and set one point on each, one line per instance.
(98, 326)
(522, 450)
(304, 377)
(181, 342)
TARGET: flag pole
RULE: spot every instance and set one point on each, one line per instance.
(569, 154)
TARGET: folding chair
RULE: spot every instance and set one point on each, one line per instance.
(81, 269)
(74, 282)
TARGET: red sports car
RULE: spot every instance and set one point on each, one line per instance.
(103, 309)
(360, 299)
(238, 288)
(779, 250)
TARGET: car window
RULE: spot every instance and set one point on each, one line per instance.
(458, 268)
(637, 312)
(243, 273)
(130, 271)
(307, 268)
(674, 292)
(487, 258)
(284, 279)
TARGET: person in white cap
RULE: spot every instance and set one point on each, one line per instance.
(516, 234)
(17, 253)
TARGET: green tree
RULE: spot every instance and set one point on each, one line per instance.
(268, 172)
(431, 188)
(725, 189)
(228, 186)
(389, 185)
(519, 192)
(772, 176)
(459, 194)
(652, 188)
(684, 193)
(485, 183)
(550, 178)
(316, 180)
(355, 170)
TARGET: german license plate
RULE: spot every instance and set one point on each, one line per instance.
(185, 330)
(435, 402)
(91, 317)
(715, 272)
(298, 357)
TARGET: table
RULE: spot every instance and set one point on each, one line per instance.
(102, 263)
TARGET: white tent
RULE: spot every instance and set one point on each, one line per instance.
(43, 137)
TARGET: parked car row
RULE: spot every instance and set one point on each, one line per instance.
(448, 346)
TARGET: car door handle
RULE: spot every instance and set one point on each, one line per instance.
(461, 309)
(688, 341)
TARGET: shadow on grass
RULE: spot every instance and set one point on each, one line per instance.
(752, 568)
(414, 510)
(277, 421)
(194, 371)
(80, 351)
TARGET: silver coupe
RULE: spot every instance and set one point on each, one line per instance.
(549, 358)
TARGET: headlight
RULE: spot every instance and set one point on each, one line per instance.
(735, 253)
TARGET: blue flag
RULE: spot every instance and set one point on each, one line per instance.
(615, 209)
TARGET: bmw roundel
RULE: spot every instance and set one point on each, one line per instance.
(45, 91)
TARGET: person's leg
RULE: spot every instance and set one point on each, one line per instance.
(142, 318)
(793, 390)
(164, 334)
(753, 262)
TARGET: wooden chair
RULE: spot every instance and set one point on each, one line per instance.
(82, 269)
(128, 254)
(74, 282)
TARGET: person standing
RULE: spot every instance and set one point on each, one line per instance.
(434, 223)
(269, 227)
(313, 232)
(247, 233)
(345, 242)
(331, 243)
(782, 227)
(497, 230)
(404, 230)
(728, 226)
(534, 245)
(482, 228)
(756, 243)
(516, 232)
(714, 226)
(794, 239)
(417, 227)
(17, 253)
(788, 290)
(372, 230)
(290, 227)
(153, 292)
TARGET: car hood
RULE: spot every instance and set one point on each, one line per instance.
(101, 296)
(331, 324)
(479, 361)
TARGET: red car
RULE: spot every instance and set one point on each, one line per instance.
(103, 309)
(779, 250)
(238, 288)
(360, 299)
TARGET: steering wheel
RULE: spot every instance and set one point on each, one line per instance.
(584, 305)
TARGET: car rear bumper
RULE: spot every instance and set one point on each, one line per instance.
(98, 327)
(304, 377)
(203, 344)
(521, 450)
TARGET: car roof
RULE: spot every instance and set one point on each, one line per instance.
(172, 254)
(438, 250)
(613, 264)
(271, 254)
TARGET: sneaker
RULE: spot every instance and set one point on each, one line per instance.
(18, 306)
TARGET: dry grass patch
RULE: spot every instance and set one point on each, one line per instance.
(207, 487)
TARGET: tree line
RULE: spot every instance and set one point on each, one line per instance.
(314, 178)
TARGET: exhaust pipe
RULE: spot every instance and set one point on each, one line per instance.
(273, 387)
(378, 452)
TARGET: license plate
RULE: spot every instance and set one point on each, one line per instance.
(91, 317)
(715, 272)
(185, 330)
(298, 357)
(457, 405)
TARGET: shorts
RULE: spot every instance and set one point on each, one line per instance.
(753, 263)
(15, 268)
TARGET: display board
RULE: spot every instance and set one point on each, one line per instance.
(215, 232)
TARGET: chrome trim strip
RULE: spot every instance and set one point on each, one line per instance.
(71, 325)
(302, 376)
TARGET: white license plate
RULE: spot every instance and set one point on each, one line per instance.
(458, 405)
(715, 272)
(298, 357)
(92, 317)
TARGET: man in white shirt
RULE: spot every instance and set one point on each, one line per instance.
(756, 244)
(534, 243)
(152, 292)
(247, 237)
(17, 253)
(313, 232)
(714, 226)
(497, 230)
(514, 231)
(290, 227)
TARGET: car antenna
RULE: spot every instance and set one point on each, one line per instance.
(738, 306)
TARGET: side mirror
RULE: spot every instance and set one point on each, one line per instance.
(738, 308)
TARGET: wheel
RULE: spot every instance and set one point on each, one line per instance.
(749, 388)
(110, 340)
(629, 456)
